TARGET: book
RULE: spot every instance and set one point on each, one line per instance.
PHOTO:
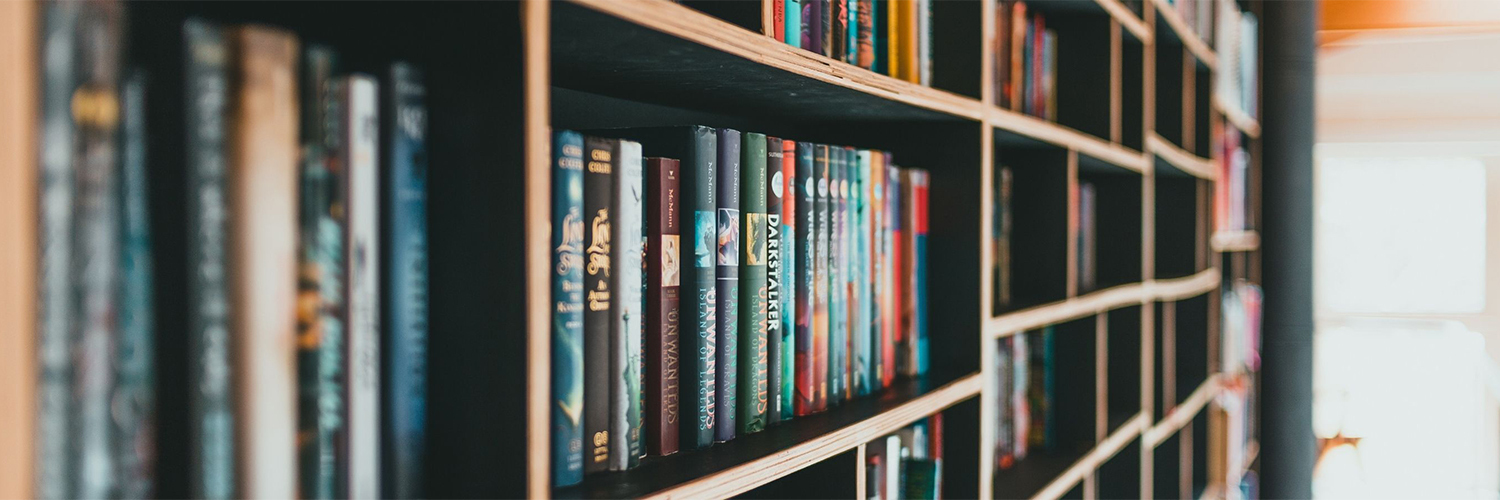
(793, 23)
(835, 31)
(1002, 225)
(567, 310)
(838, 334)
(598, 191)
(877, 29)
(775, 281)
(1021, 385)
(753, 337)
(262, 167)
(895, 298)
(321, 335)
(851, 31)
(812, 25)
(1088, 239)
(663, 296)
(1017, 44)
(360, 101)
(211, 421)
(805, 402)
(778, 20)
(875, 470)
(888, 314)
(727, 270)
(1005, 433)
(134, 398)
(893, 38)
(874, 192)
(859, 274)
(910, 43)
(1000, 46)
(405, 319)
(907, 348)
(865, 40)
(918, 292)
(847, 262)
(1049, 75)
(626, 199)
(820, 291)
(786, 363)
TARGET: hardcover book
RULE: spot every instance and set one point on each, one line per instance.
(134, 398)
(778, 20)
(805, 402)
(598, 188)
(208, 306)
(786, 363)
(875, 193)
(1002, 224)
(851, 31)
(820, 279)
(727, 270)
(406, 278)
(360, 99)
(321, 327)
(812, 25)
(753, 391)
(838, 313)
(859, 310)
(895, 300)
(865, 53)
(836, 28)
(775, 284)
(263, 254)
(906, 355)
(918, 293)
(793, 23)
(626, 199)
(663, 317)
(567, 310)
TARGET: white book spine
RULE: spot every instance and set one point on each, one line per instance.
(361, 149)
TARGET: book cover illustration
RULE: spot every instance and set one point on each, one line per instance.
(787, 182)
(728, 260)
(805, 402)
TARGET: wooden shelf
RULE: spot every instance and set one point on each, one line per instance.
(1237, 117)
(1235, 241)
(615, 47)
(1128, 20)
(1172, 290)
(1180, 159)
(1018, 127)
(1182, 32)
(740, 465)
(1092, 303)
(1180, 415)
(1096, 457)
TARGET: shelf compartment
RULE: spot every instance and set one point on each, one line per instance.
(1181, 225)
(835, 477)
(1167, 468)
(660, 52)
(1191, 330)
(750, 461)
(1038, 238)
(1120, 477)
(1123, 360)
(1172, 160)
(1178, 32)
(1190, 410)
(1106, 9)
(1116, 226)
(1016, 129)
(1067, 476)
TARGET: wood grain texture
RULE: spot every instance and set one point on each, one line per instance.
(1183, 288)
(538, 178)
(18, 219)
(1096, 302)
(1180, 159)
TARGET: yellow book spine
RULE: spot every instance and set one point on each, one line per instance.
(908, 36)
(892, 40)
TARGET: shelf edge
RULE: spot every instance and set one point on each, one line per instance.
(1009, 324)
(1180, 415)
(749, 475)
(1101, 452)
(1172, 290)
(1192, 164)
(1189, 38)
(1060, 135)
(1235, 241)
(1128, 20)
(1237, 117)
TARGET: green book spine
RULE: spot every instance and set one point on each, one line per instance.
(753, 391)
(859, 276)
(838, 312)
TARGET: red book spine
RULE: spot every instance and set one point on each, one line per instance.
(898, 265)
(663, 277)
(888, 288)
(778, 20)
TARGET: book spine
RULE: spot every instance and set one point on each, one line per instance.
(893, 38)
(838, 338)
(407, 278)
(663, 277)
(1018, 26)
(726, 383)
(95, 250)
(786, 363)
(908, 347)
(362, 161)
(851, 31)
(1087, 238)
(877, 26)
(895, 322)
(847, 262)
(321, 327)
(793, 23)
(775, 284)
(1005, 411)
(860, 279)
(1001, 46)
(626, 312)
(1022, 381)
(700, 197)
(875, 192)
(911, 44)
(1003, 224)
(865, 42)
(597, 192)
(820, 279)
(836, 23)
(263, 256)
(135, 378)
(567, 311)
(778, 20)
(924, 42)
(212, 416)
(812, 25)
(919, 268)
(753, 336)
(805, 256)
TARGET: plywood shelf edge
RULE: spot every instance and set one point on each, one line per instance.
(1089, 463)
(1192, 164)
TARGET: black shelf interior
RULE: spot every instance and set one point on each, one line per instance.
(1039, 224)
(831, 478)
(1124, 336)
(1192, 345)
(1120, 476)
(1167, 469)
(1169, 66)
(1027, 477)
(1075, 385)
(1117, 222)
(1132, 94)
(1182, 212)
(1083, 72)
(1201, 458)
(1203, 92)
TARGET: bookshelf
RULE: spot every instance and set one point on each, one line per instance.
(1149, 327)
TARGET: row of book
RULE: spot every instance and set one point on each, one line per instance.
(1231, 193)
(1025, 382)
(805, 286)
(1240, 344)
(890, 37)
(1082, 221)
(907, 464)
(1198, 15)
(1239, 361)
(1238, 47)
(1025, 60)
(306, 252)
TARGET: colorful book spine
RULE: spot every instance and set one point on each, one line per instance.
(786, 363)
(909, 44)
(838, 334)
(567, 310)
(135, 377)
(851, 31)
(700, 196)
(625, 344)
(775, 284)
(212, 417)
(263, 255)
(924, 42)
(847, 262)
(865, 42)
(793, 22)
(804, 403)
(321, 326)
(663, 316)
(405, 436)
(892, 37)
(597, 208)
(895, 320)
(1017, 45)
(728, 251)
(875, 193)
(361, 159)
(1005, 181)
(863, 369)
(778, 20)
(812, 25)
(836, 24)
(1021, 380)
(919, 268)
(909, 346)
(1087, 238)
(820, 278)
(1005, 433)
(753, 336)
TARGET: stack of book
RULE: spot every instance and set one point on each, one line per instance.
(1026, 381)
(1025, 60)
(907, 464)
(805, 286)
(1231, 200)
(1198, 15)
(306, 251)
(890, 37)
(1238, 47)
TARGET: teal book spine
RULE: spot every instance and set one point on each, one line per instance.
(775, 278)
(626, 440)
(787, 181)
(700, 169)
(793, 19)
(851, 31)
(567, 310)
(135, 378)
(838, 312)
(753, 337)
(405, 422)
(860, 279)
(726, 383)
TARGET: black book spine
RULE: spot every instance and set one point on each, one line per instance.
(821, 207)
(700, 206)
(728, 274)
(597, 189)
(774, 283)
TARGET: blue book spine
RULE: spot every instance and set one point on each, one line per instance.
(838, 312)
(793, 19)
(135, 394)
(863, 362)
(851, 33)
(567, 310)
(406, 273)
(728, 285)
(788, 361)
